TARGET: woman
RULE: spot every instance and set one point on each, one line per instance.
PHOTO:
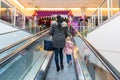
(59, 32)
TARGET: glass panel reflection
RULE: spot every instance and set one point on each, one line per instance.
(29, 58)
(6, 13)
(103, 12)
(95, 68)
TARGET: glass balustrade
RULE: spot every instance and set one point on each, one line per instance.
(105, 10)
(26, 63)
(6, 13)
(91, 62)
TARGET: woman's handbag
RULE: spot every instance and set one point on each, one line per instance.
(48, 45)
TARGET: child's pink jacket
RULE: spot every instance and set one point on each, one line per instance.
(68, 49)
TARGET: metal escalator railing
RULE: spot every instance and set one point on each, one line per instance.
(22, 47)
(95, 63)
(25, 62)
(17, 43)
(14, 31)
(9, 32)
(14, 44)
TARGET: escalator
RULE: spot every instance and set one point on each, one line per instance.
(28, 61)
(21, 61)
(92, 62)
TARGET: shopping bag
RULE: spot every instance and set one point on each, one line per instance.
(48, 45)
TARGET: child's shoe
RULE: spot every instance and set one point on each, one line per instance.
(70, 63)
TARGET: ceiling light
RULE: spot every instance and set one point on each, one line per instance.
(31, 8)
(18, 3)
(73, 8)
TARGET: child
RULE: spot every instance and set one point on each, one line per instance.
(68, 50)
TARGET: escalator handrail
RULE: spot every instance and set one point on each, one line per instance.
(24, 39)
(78, 68)
(9, 32)
(13, 54)
(115, 73)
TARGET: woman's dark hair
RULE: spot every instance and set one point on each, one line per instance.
(59, 20)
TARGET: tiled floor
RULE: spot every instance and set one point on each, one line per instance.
(68, 73)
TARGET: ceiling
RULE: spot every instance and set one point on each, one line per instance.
(60, 3)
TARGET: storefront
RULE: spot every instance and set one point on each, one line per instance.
(6, 12)
(11, 15)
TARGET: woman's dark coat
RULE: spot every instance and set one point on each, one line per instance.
(59, 34)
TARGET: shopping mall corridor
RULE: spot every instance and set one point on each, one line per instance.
(93, 25)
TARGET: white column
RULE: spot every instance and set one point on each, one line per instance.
(101, 16)
(108, 6)
(88, 25)
(14, 16)
(111, 7)
(0, 3)
(0, 7)
(98, 15)
(24, 27)
(25, 19)
(92, 22)
(119, 5)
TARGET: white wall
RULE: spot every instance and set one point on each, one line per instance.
(106, 39)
